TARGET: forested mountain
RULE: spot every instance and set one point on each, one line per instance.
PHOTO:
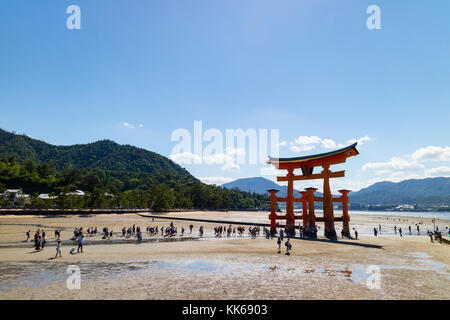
(113, 175)
(103, 155)
(413, 191)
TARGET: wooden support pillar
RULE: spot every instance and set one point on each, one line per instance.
(311, 215)
(328, 213)
(290, 217)
(305, 208)
(273, 208)
(345, 215)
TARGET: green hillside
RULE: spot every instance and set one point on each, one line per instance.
(413, 191)
(104, 155)
(134, 177)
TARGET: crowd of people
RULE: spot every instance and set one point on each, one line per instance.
(39, 239)
(219, 231)
(435, 235)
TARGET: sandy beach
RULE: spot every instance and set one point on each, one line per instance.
(411, 267)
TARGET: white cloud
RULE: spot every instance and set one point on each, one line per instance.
(128, 125)
(215, 180)
(131, 126)
(328, 143)
(411, 166)
(302, 148)
(227, 159)
(218, 158)
(269, 171)
(432, 153)
(307, 143)
(185, 157)
(235, 151)
(395, 164)
(230, 166)
(438, 172)
(307, 140)
(360, 140)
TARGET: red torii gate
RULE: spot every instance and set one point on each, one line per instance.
(307, 164)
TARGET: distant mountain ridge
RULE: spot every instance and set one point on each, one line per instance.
(256, 184)
(413, 191)
(260, 185)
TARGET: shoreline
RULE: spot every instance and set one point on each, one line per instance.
(44, 212)
(206, 268)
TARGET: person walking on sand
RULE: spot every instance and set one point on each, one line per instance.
(400, 232)
(375, 231)
(37, 244)
(431, 236)
(288, 247)
(80, 244)
(356, 234)
(139, 237)
(395, 229)
(409, 230)
(43, 240)
(36, 238)
(279, 244)
(28, 235)
(58, 249)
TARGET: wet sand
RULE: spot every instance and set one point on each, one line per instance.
(411, 267)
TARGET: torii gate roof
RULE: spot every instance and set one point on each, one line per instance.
(333, 157)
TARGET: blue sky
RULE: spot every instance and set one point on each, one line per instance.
(311, 69)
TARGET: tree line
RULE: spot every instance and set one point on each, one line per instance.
(116, 189)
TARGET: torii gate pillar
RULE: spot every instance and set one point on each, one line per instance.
(311, 215)
(345, 216)
(305, 209)
(273, 206)
(290, 216)
(328, 213)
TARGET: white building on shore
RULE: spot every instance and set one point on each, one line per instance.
(15, 196)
